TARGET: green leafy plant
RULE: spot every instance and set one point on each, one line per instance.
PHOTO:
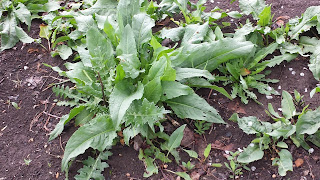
(122, 84)
(292, 125)
(14, 12)
(234, 166)
(202, 126)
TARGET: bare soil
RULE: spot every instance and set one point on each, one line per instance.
(25, 152)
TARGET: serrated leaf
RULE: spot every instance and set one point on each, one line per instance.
(277, 60)
(151, 167)
(184, 175)
(97, 135)
(288, 108)
(252, 125)
(63, 121)
(121, 98)
(309, 123)
(250, 154)
(23, 36)
(285, 162)
(142, 28)
(194, 107)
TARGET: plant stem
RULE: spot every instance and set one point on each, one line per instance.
(102, 89)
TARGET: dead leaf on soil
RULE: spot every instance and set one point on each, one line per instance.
(236, 107)
(33, 81)
(137, 142)
(298, 162)
(201, 147)
(188, 137)
(32, 50)
(195, 175)
(219, 145)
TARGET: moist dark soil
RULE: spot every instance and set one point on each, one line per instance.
(25, 152)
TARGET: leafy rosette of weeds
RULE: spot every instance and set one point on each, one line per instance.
(14, 12)
(292, 125)
(123, 81)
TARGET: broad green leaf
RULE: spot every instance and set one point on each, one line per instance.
(60, 40)
(8, 33)
(127, 44)
(313, 91)
(202, 83)
(142, 28)
(314, 65)
(23, 36)
(252, 125)
(250, 154)
(234, 14)
(265, 16)
(151, 167)
(282, 145)
(121, 98)
(194, 34)
(153, 90)
(105, 7)
(175, 139)
(309, 123)
(210, 55)
(283, 131)
(194, 107)
(175, 34)
(173, 89)
(64, 51)
(23, 14)
(111, 33)
(83, 117)
(308, 20)
(185, 73)
(130, 64)
(285, 162)
(184, 175)
(163, 69)
(126, 10)
(191, 153)
(45, 31)
(63, 121)
(288, 108)
(97, 135)
(85, 23)
(254, 7)
(207, 151)
(101, 50)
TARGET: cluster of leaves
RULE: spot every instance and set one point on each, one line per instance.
(124, 82)
(16, 11)
(300, 127)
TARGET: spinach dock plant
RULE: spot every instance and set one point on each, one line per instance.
(125, 81)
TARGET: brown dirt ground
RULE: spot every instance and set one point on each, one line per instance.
(24, 132)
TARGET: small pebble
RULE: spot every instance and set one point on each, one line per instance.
(304, 68)
(279, 87)
(281, 7)
(240, 150)
(293, 72)
(280, 109)
(269, 97)
(290, 69)
(25, 67)
(214, 94)
(311, 150)
(251, 145)
(274, 176)
(269, 88)
(249, 123)
(305, 89)
(128, 175)
(253, 168)
(301, 74)
(227, 152)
